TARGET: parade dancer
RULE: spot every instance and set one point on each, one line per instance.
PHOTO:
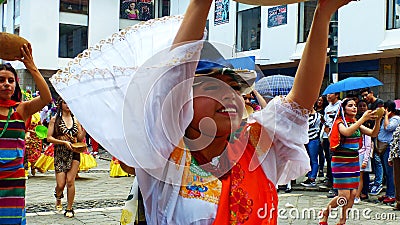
(13, 114)
(179, 113)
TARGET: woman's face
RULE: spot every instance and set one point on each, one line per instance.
(218, 107)
(351, 108)
(7, 84)
(320, 101)
(132, 5)
(362, 107)
(64, 106)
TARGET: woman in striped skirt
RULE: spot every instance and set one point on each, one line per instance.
(345, 141)
(13, 115)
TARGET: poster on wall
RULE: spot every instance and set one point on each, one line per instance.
(277, 16)
(137, 9)
(221, 15)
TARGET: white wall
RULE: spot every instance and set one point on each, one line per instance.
(362, 26)
(9, 19)
(39, 25)
(103, 20)
(223, 33)
(178, 7)
(278, 44)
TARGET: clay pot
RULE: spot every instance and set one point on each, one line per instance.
(79, 147)
(10, 46)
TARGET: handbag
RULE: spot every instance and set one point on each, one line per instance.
(381, 147)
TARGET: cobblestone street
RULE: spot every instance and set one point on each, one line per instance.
(99, 199)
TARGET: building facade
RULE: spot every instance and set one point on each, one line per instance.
(368, 32)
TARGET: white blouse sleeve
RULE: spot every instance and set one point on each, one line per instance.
(286, 124)
(131, 92)
(158, 105)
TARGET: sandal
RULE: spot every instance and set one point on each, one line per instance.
(59, 206)
(69, 213)
(397, 207)
(321, 216)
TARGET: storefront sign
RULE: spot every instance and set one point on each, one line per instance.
(221, 12)
(277, 16)
(137, 9)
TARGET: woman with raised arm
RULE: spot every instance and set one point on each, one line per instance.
(345, 141)
(13, 114)
(180, 110)
(219, 179)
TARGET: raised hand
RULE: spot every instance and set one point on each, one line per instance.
(27, 57)
(330, 6)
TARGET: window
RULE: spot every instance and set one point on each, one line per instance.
(74, 6)
(17, 16)
(164, 8)
(306, 14)
(73, 40)
(3, 11)
(248, 27)
(137, 10)
(393, 14)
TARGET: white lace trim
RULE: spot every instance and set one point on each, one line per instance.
(73, 69)
(294, 106)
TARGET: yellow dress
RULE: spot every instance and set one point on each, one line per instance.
(116, 170)
(46, 160)
(87, 161)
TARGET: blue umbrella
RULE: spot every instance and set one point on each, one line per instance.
(274, 85)
(352, 83)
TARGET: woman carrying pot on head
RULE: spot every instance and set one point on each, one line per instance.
(13, 114)
(64, 129)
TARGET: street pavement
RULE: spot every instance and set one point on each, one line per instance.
(99, 200)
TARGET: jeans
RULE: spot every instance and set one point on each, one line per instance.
(312, 150)
(389, 174)
(366, 180)
(327, 152)
(321, 157)
(378, 170)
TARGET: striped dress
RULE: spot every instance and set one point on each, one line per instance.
(345, 162)
(12, 173)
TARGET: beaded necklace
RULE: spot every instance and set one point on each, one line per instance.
(68, 131)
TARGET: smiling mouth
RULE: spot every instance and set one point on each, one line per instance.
(228, 110)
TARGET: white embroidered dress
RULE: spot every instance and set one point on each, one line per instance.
(138, 109)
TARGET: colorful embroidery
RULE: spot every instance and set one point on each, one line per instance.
(240, 202)
(199, 184)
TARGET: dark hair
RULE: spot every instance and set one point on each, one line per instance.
(362, 100)
(325, 103)
(17, 95)
(58, 115)
(345, 101)
(365, 90)
(390, 105)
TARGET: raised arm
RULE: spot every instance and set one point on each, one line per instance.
(194, 22)
(311, 69)
(35, 105)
